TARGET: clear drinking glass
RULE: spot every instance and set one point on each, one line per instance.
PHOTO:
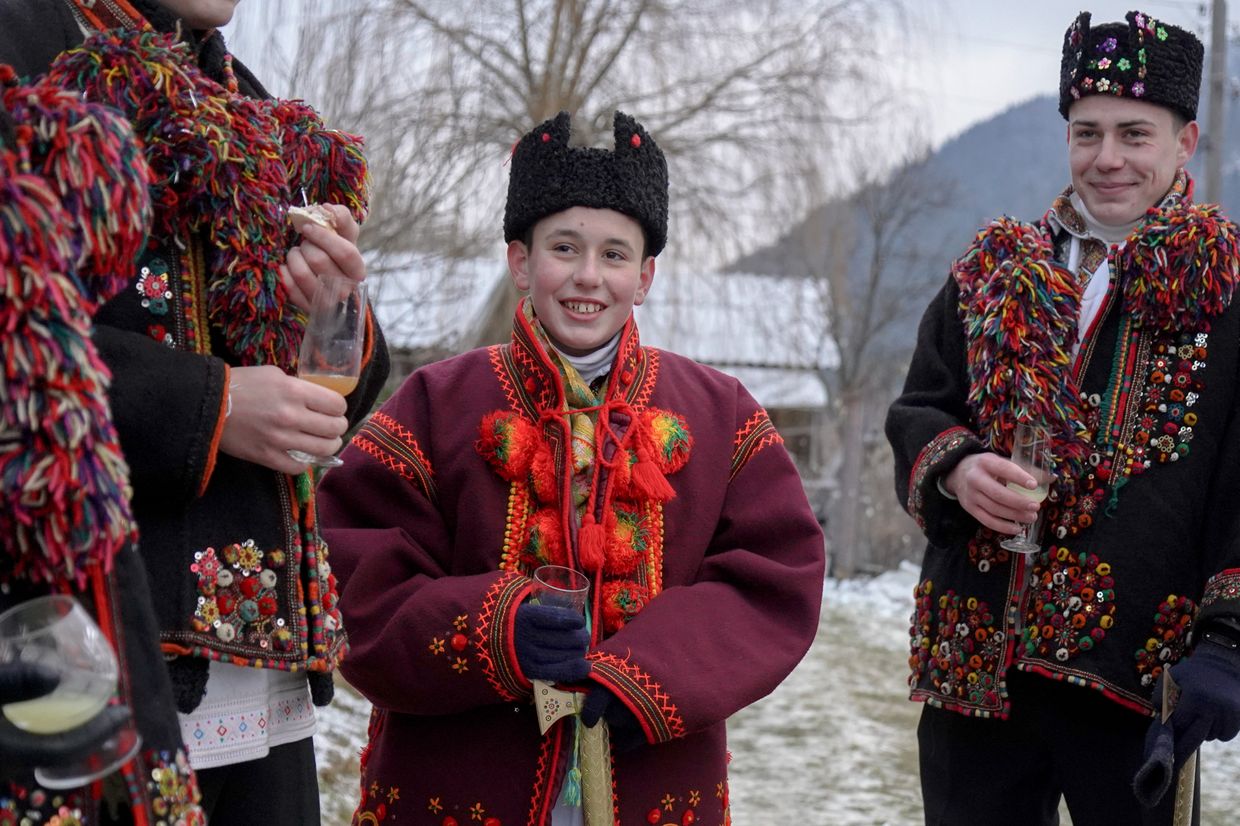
(55, 631)
(564, 588)
(1031, 452)
(331, 350)
(560, 586)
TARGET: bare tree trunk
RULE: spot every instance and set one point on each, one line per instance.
(845, 528)
(496, 326)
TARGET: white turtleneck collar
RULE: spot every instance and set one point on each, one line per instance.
(595, 363)
(1112, 235)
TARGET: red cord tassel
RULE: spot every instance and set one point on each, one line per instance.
(648, 480)
(591, 545)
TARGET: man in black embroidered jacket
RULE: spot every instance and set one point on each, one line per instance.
(202, 347)
(1111, 322)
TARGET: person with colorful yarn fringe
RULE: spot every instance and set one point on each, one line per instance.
(659, 479)
(202, 344)
(73, 212)
(1112, 322)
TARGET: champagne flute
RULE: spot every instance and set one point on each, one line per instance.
(55, 631)
(331, 350)
(1031, 452)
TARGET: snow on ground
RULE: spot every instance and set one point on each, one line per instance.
(835, 744)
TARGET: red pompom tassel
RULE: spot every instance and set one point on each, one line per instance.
(648, 481)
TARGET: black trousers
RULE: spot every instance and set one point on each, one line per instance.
(281, 789)
(1060, 741)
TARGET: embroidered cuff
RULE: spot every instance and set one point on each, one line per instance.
(641, 694)
(493, 637)
(933, 459)
(1221, 601)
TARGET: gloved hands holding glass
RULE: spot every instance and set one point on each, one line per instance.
(551, 637)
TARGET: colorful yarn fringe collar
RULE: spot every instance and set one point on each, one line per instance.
(223, 165)
(1020, 311)
(73, 212)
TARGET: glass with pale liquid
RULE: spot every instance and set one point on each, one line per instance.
(1031, 452)
(331, 350)
(55, 631)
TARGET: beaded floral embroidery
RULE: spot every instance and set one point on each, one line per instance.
(985, 550)
(1172, 622)
(172, 789)
(237, 596)
(466, 813)
(680, 808)
(1071, 605)
(153, 287)
(1222, 587)
(956, 643)
(20, 805)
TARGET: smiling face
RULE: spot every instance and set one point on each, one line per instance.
(1124, 155)
(202, 14)
(585, 271)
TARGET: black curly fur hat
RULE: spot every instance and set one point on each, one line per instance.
(1143, 59)
(549, 176)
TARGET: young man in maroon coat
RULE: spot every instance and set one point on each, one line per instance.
(660, 479)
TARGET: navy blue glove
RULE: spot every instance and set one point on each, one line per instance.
(551, 643)
(20, 750)
(1208, 709)
(626, 733)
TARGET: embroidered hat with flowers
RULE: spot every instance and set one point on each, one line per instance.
(1142, 58)
(549, 176)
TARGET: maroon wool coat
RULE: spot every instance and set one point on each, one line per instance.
(432, 547)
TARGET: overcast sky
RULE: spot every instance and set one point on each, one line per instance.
(969, 59)
(974, 59)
